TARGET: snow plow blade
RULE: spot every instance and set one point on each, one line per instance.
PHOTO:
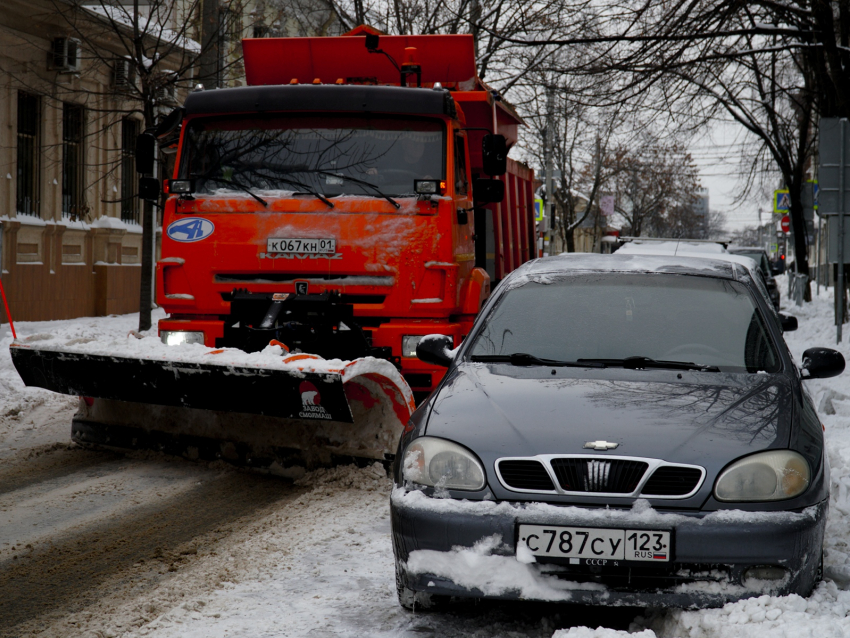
(301, 411)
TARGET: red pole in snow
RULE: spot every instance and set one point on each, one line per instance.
(8, 314)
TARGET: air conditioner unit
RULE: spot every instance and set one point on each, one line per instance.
(65, 55)
(167, 93)
(124, 74)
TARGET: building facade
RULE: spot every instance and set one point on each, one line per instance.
(71, 233)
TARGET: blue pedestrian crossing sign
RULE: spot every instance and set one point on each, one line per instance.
(538, 209)
(781, 202)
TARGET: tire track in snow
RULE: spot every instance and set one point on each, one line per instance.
(152, 518)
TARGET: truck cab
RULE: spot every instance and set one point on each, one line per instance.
(336, 218)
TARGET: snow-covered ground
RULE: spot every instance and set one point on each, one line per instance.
(321, 565)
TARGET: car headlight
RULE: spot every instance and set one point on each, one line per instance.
(440, 463)
(767, 476)
(179, 337)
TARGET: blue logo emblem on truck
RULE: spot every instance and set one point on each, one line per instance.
(190, 229)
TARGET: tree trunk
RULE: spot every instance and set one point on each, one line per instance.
(798, 224)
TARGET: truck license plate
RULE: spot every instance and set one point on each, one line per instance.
(301, 246)
(596, 543)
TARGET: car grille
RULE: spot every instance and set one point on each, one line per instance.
(526, 475)
(580, 474)
(650, 578)
(612, 476)
(672, 481)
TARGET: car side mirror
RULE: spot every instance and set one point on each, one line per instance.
(788, 323)
(822, 363)
(436, 349)
(488, 191)
(494, 149)
(145, 151)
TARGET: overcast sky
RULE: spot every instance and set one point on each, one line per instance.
(717, 155)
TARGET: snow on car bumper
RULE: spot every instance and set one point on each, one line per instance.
(469, 549)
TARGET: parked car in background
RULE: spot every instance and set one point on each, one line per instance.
(759, 255)
(716, 250)
(616, 429)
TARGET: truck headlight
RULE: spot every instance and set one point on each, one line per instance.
(767, 476)
(441, 463)
(179, 337)
(408, 345)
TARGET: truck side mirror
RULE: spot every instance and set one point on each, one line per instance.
(495, 154)
(170, 123)
(149, 188)
(488, 191)
(145, 151)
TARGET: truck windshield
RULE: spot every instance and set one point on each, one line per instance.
(331, 155)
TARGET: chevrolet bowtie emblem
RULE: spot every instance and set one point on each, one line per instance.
(600, 445)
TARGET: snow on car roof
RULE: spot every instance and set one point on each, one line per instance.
(720, 266)
(671, 246)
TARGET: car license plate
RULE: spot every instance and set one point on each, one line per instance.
(301, 245)
(596, 543)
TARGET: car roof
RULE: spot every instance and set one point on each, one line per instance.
(671, 246)
(705, 265)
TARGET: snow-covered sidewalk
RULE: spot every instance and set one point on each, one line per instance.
(323, 565)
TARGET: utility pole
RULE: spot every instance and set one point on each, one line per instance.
(839, 285)
(549, 153)
(208, 61)
(475, 20)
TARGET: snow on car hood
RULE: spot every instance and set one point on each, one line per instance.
(703, 418)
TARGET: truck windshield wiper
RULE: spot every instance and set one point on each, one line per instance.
(302, 185)
(635, 363)
(364, 183)
(236, 185)
(525, 359)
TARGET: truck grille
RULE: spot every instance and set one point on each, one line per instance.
(580, 474)
(672, 481)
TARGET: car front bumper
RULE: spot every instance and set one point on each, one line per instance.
(468, 549)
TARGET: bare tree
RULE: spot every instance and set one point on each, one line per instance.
(656, 186)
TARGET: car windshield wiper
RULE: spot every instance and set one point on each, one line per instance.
(236, 185)
(634, 363)
(363, 182)
(525, 359)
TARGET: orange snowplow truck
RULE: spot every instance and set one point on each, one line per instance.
(336, 204)
(355, 197)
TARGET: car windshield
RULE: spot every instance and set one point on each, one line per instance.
(682, 318)
(331, 155)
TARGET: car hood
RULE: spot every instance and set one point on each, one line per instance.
(695, 417)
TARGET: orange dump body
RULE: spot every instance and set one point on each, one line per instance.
(402, 272)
